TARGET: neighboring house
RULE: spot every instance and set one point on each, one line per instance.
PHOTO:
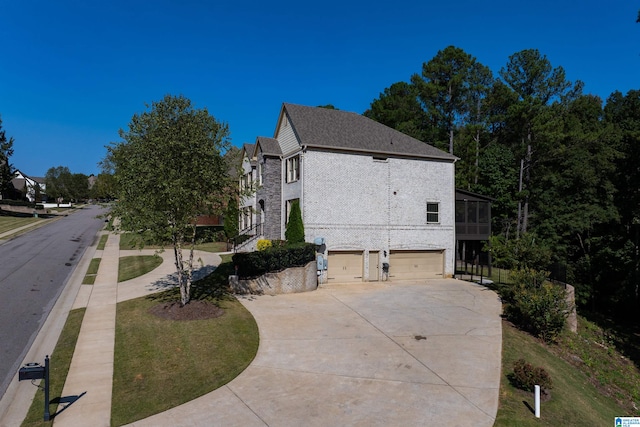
(27, 186)
(375, 195)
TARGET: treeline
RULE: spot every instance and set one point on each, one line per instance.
(563, 166)
(61, 184)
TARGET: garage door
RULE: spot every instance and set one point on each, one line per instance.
(345, 267)
(413, 265)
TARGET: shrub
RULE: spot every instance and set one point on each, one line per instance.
(295, 228)
(525, 376)
(254, 264)
(264, 244)
(540, 310)
(209, 233)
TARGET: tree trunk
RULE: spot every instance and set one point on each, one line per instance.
(525, 213)
(177, 252)
(519, 222)
(477, 169)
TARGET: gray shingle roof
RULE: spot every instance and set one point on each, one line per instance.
(270, 146)
(342, 130)
(248, 148)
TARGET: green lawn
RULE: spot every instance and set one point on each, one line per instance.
(136, 265)
(575, 401)
(92, 270)
(181, 359)
(212, 247)
(103, 241)
(59, 367)
(129, 241)
(8, 223)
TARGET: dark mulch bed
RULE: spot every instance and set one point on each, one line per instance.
(195, 310)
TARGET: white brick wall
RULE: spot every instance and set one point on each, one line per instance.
(357, 203)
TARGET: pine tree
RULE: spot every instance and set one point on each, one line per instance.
(295, 228)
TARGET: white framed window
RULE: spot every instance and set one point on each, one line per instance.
(433, 212)
(246, 218)
(293, 169)
(260, 173)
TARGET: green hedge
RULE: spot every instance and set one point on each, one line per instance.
(254, 264)
(11, 202)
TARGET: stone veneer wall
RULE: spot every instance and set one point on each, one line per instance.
(270, 192)
(291, 280)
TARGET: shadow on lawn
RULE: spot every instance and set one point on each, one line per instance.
(209, 284)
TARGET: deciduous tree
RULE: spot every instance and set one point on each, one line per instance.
(7, 172)
(169, 169)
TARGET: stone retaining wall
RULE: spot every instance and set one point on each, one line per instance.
(291, 280)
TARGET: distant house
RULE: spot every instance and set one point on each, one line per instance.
(375, 195)
(31, 188)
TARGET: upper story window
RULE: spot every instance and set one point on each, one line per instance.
(260, 173)
(246, 181)
(293, 169)
(433, 212)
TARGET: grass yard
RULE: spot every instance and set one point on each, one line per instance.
(103, 242)
(59, 367)
(212, 247)
(8, 223)
(161, 363)
(136, 265)
(92, 270)
(129, 241)
(575, 401)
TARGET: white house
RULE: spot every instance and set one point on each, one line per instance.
(29, 186)
(375, 195)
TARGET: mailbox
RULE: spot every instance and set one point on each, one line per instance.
(31, 371)
(35, 371)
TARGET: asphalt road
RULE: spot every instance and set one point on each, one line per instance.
(34, 268)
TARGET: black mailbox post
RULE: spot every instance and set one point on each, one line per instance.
(35, 371)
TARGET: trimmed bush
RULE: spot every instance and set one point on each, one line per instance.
(525, 376)
(295, 228)
(540, 310)
(254, 264)
(264, 244)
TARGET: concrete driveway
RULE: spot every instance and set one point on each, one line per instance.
(383, 354)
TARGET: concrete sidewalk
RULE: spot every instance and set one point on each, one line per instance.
(87, 390)
(88, 386)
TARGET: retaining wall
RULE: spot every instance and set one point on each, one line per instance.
(291, 280)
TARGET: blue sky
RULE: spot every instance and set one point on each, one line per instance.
(72, 73)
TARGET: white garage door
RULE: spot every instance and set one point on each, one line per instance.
(413, 265)
(345, 267)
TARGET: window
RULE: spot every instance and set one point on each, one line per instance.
(433, 213)
(293, 169)
(245, 182)
(260, 173)
(246, 219)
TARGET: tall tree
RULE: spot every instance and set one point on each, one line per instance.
(169, 169)
(58, 181)
(104, 187)
(398, 107)
(623, 113)
(7, 172)
(537, 84)
(443, 88)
